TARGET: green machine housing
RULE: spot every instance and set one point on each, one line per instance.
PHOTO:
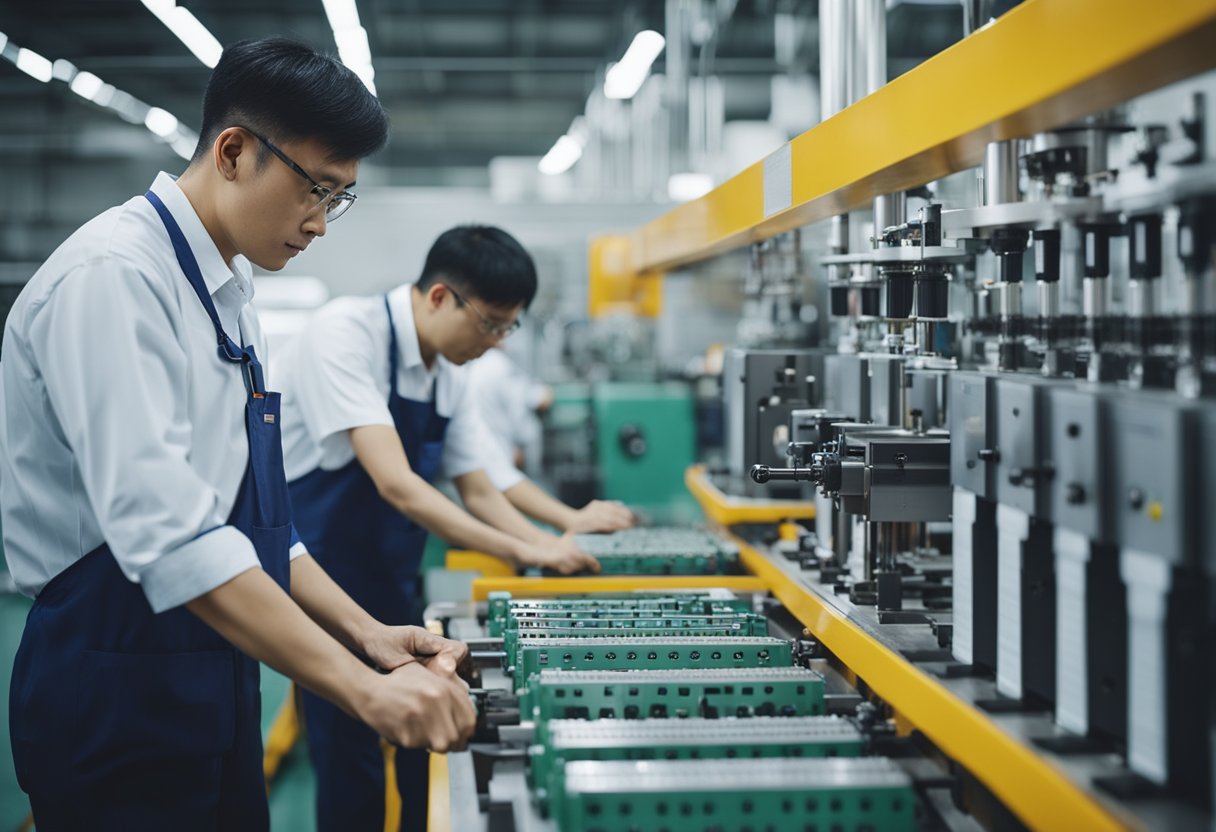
(645, 435)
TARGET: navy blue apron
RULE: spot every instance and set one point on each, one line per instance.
(373, 552)
(125, 719)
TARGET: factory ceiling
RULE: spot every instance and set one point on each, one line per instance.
(464, 80)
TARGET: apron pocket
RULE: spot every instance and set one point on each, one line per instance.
(153, 718)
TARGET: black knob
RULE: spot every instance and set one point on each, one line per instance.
(1074, 494)
(1135, 499)
(632, 440)
(760, 474)
(989, 455)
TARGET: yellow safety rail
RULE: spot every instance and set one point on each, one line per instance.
(464, 560)
(726, 510)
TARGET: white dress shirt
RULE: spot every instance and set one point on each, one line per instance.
(334, 377)
(119, 422)
(507, 398)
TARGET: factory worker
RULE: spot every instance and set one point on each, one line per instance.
(509, 401)
(145, 506)
(375, 402)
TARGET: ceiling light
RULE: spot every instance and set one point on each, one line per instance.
(625, 77)
(184, 146)
(104, 95)
(3, 41)
(34, 65)
(342, 14)
(353, 46)
(188, 30)
(561, 157)
(63, 70)
(86, 85)
(128, 107)
(683, 187)
(161, 122)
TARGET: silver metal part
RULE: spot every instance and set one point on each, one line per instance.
(759, 730)
(627, 776)
(1001, 173)
(1049, 299)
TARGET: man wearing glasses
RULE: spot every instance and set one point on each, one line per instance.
(375, 402)
(144, 500)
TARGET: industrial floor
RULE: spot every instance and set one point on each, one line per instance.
(291, 794)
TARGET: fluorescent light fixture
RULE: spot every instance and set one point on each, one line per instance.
(188, 30)
(34, 65)
(342, 14)
(184, 145)
(3, 41)
(561, 157)
(105, 95)
(128, 107)
(351, 38)
(353, 46)
(86, 85)
(63, 70)
(625, 77)
(161, 122)
(683, 187)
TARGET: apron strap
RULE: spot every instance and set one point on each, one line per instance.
(392, 350)
(228, 350)
(392, 358)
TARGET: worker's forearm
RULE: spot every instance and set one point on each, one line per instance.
(427, 506)
(532, 500)
(329, 605)
(490, 506)
(257, 616)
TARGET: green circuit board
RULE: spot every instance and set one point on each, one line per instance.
(563, 741)
(732, 795)
(661, 551)
(651, 694)
(502, 607)
(658, 653)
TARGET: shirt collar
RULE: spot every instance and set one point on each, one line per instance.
(401, 302)
(211, 263)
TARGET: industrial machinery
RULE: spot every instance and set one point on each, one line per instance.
(628, 726)
(1008, 432)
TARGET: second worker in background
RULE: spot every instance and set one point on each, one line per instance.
(375, 402)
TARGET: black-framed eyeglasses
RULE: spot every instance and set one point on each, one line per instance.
(336, 204)
(488, 326)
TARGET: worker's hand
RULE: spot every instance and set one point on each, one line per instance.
(562, 555)
(602, 516)
(392, 647)
(416, 708)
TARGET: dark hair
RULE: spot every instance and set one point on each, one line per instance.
(482, 261)
(289, 92)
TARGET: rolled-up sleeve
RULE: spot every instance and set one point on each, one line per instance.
(335, 388)
(130, 434)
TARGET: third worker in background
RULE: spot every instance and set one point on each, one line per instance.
(375, 402)
(509, 401)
